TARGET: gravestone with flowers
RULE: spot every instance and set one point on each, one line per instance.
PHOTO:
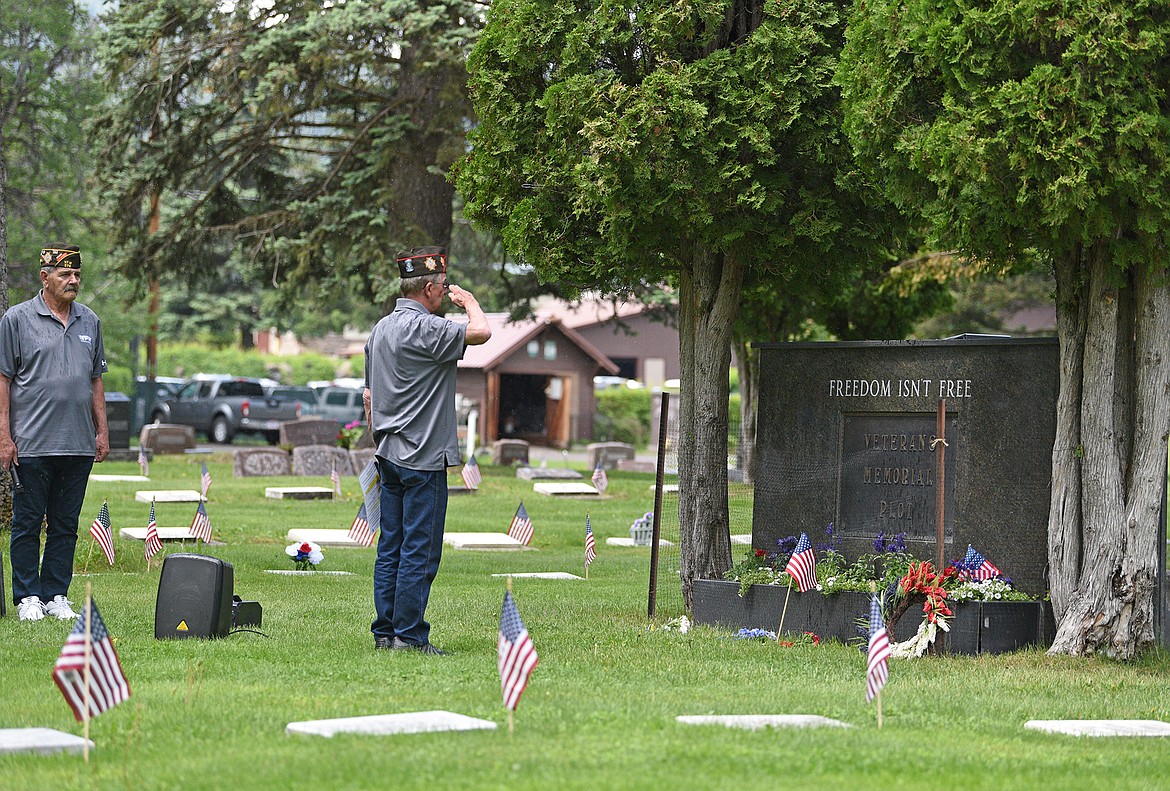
(852, 435)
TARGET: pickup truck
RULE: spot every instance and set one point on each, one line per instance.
(222, 408)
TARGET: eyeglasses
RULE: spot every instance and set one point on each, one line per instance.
(446, 284)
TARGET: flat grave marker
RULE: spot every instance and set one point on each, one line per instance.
(547, 474)
(543, 575)
(324, 537)
(622, 541)
(1101, 727)
(565, 489)
(168, 496)
(164, 534)
(40, 740)
(481, 541)
(298, 493)
(101, 478)
(299, 572)
(755, 722)
(392, 724)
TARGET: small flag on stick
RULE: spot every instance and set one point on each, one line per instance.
(600, 479)
(975, 566)
(521, 527)
(802, 566)
(153, 545)
(101, 533)
(361, 531)
(205, 480)
(143, 464)
(333, 476)
(88, 671)
(472, 477)
(517, 654)
(590, 546)
(201, 524)
(878, 664)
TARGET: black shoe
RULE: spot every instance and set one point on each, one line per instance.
(425, 648)
(384, 643)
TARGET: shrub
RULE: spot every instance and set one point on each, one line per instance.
(623, 415)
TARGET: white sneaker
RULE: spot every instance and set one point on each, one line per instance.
(30, 609)
(60, 608)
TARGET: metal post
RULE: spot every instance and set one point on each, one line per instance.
(660, 474)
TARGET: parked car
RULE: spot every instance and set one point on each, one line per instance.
(343, 404)
(164, 386)
(305, 396)
(222, 408)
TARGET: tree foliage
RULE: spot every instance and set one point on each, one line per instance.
(1037, 126)
(621, 144)
(309, 139)
(46, 89)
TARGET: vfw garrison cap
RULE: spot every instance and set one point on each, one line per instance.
(422, 261)
(67, 256)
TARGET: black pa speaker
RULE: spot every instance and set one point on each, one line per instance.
(194, 597)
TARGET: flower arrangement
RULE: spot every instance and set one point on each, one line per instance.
(888, 562)
(902, 581)
(349, 434)
(763, 635)
(306, 555)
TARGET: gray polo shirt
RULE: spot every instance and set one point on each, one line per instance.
(411, 360)
(52, 368)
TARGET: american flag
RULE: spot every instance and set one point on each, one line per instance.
(333, 476)
(878, 669)
(143, 464)
(521, 527)
(590, 546)
(100, 530)
(205, 480)
(471, 475)
(200, 524)
(600, 479)
(106, 683)
(975, 566)
(153, 545)
(802, 566)
(517, 654)
(360, 531)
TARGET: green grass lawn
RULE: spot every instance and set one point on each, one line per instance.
(599, 711)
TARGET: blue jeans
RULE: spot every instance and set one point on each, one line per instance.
(410, 544)
(54, 489)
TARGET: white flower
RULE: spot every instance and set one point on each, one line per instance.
(305, 550)
(684, 624)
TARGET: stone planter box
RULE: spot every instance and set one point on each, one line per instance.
(977, 627)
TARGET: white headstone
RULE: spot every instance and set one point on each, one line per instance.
(169, 496)
(324, 537)
(1101, 727)
(299, 572)
(392, 724)
(543, 575)
(622, 541)
(481, 541)
(754, 722)
(562, 489)
(39, 740)
(164, 533)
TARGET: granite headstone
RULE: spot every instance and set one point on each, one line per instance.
(846, 435)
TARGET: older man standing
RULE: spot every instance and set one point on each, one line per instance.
(411, 359)
(52, 428)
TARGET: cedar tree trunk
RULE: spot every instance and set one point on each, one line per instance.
(1109, 460)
